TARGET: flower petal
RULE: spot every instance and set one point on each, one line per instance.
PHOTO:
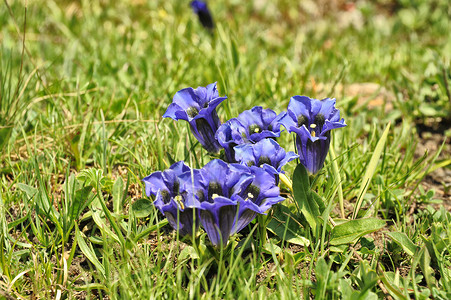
(287, 121)
(218, 224)
(186, 98)
(299, 106)
(332, 125)
(175, 112)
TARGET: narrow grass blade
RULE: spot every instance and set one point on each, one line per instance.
(149, 229)
(428, 169)
(118, 191)
(371, 168)
(110, 218)
(337, 177)
(439, 165)
(11, 285)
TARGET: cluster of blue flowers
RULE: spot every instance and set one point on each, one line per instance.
(225, 196)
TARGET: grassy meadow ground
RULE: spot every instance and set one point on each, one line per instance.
(84, 85)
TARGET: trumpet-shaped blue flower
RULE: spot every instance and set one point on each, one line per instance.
(229, 135)
(250, 126)
(257, 198)
(213, 190)
(198, 108)
(267, 154)
(170, 198)
(200, 8)
(228, 196)
(312, 120)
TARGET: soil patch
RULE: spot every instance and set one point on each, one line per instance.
(430, 138)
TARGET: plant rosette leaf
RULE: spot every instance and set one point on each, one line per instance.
(306, 201)
(142, 208)
(404, 241)
(188, 252)
(286, 227)
(350, 231)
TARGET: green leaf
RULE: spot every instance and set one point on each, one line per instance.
(425, 265)
(440, 234)
(118, 234)
(91, 176)
(235, 53)
(149, 229)
(5, 133)
(368, 295)
(170, 158)
(337, 179)
(350, 231)
(142, 208)
(284, 225)
(29, 190)
(370, 169)
(88, 251)
(18, 221)
(403, 240)
(321, 268)
(322, 271)
(188, 252)
(118, 191)
(81, 200)
(432, 110)
(302, 195)
(432, 249)
(99, 217)
(345, 288)
(271, 247)
(318, 200)
(391, 282)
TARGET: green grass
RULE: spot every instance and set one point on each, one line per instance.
(80, 126)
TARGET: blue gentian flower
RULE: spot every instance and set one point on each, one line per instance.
(250, 126)
(267, 154)
(170, 198)
(257, 198)
(228, 196)
(229, 135)
(198, 108)
(259, 124)
(213, 190)
(200, 8)
(312, 120)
